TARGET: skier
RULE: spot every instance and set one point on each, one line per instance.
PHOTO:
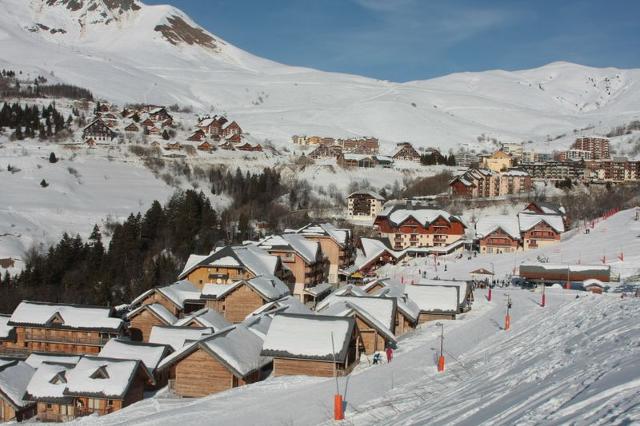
(389, 352)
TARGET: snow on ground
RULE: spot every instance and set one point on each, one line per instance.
(576, 360)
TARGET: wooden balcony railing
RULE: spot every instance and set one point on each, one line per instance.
(71, 340)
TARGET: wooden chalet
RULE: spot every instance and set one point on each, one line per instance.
(554, 273)
(148, 123)
(325, 151)
(160, 114)
(405, 151)
(59, 328)
(539, 230)
(231, 129)
(212, 125)
(303, 257)
(142, 319)
(498, 234)
(205, 317)
(405, 228)
(98, 131)
(7, 336)
(173, 146)
(205, 146)
(407, 312)
(222, 361)
(372, 253)
(227, 145)
(229, 264)
(94, 385)
(197, 136)
(132, 127)
(336, 243)
(434, 302)
(251, 148)
(14, 378)
(465, 291)
(234, 138)
(154, 131)
(179, 298)
(375, 319)
(286, 304)
(348, 160)
(149, 354)
(238, 300)
(302, 345)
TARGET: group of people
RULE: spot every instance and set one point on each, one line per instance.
(377, 357)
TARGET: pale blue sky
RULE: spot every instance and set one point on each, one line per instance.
(403, 40)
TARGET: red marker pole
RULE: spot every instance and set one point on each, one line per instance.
(489, 295)
(544, 299)
(441, 357)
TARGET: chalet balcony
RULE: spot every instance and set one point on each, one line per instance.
(440, 238)
(68, 340)
(89, 411)
(54, 418)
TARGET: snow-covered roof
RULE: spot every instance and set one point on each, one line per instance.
(560, 267)
(235, 347)
(6, 330)
(462, 285)
(103, 377)
(206, 122)
(157, 309)
(529, 220)
(514, 172)
(405, 305)
(508, 224)
(592, 282)
(251, 257)
(49, 382)
(340, 236)
(176, 337)
(431, 298)
(14, 378)
(422, 216)
(307, 249)
(546, 208)
(342, 308)
(288, 304)
(259, 324)
(150, 354)
(64, 316)
(205, 317)
(269, 287)
(35, 360)
(318, 290)
(347, 290)
(371, 194)
(379, 311)
(177, 293)
(309, 337)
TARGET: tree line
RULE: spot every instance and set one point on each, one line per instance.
(435, 158)
(31, 121)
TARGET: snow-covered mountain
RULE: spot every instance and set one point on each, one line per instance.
(126, 51)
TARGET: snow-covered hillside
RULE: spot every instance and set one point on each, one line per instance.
(575, 361)
(126, 51)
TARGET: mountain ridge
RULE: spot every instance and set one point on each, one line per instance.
(157, 54)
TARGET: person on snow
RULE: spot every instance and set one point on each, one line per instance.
(389, 352)
(377, 358)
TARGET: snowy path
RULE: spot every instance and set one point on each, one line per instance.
(576, 358)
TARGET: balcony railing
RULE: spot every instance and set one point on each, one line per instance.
(71, 340)
(89, 411)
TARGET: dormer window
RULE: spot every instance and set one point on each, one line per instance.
(59, 378)
(100, 373)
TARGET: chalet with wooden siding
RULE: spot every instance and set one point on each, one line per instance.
(235, 138)
(132, 127)
(14, 378)
(225, 360)
(540, 230)
(434, 302)
(303, 257)
(407, 312)
(237, 300)
(179, 298)
(250, 148)
(372, 253)
(229, 264)
(465, 293)
(98, 131)
(301, 345)
(212, 126)
(407, 228)
(205, 146)
(174, 146)
(58, 328)
(375, 319)
(100, 386)
(286, 304)
(325, 151)
(160, 114)
(498, 234)
(149, 354)
(142, 319)
(405, 151)
(197, 136)
(231, 129)
(336, 243)
(364, 205)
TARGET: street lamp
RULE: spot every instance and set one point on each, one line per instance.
(441, 357)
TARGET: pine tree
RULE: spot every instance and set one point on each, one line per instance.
(52, 158)
(43, 183)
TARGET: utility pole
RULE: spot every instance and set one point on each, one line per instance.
(441, 357)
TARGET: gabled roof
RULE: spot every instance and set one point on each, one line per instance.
(250, 257)
(371, 194)
(308, 250)
(269, 288)
(103, 377)
(48, 383)
(309, 337)
(544, 208)
(150, 354)
(530, 220)
(423, 216)
(462, 285)
(65, 316)
(406, 306)
(235, 347)
(430, 298)
(340, 236)
(489, 224)
(347, 309)
(14, 378)
(156, 309)
(177, 337)
(288, 304)
(379, 312)
(318, 289)
(347, 290)
(177, 293)
(6, 330)
(205, 317)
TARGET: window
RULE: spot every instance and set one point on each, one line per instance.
(110, 403)
(48, 406)
(94, 404)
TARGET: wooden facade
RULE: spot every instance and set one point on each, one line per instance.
(98, 131)
(539, 236)
(10, 413)
(141, 323)
(435, 316)
(441, 231)
(498, 241)
(237, 304)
